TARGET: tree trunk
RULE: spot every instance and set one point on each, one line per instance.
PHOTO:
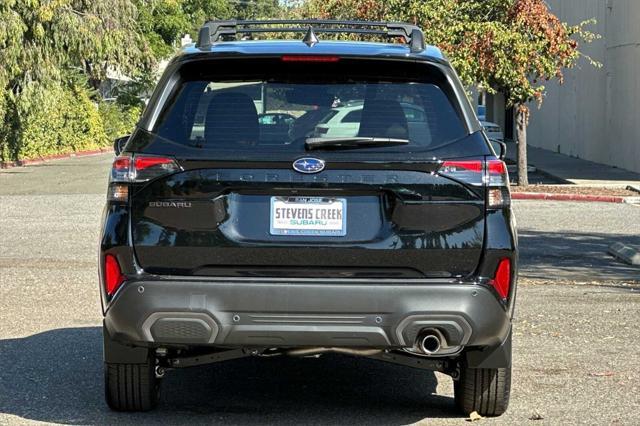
(521, 124)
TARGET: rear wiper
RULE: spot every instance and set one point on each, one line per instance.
(352, 142)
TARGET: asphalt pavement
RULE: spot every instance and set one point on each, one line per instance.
(562, 240)
(576, 335)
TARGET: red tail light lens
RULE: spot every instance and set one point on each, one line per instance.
(497, 172)
(121, 169)
(122, 163)
(474, 172)
(467, 171)
(497, 167)
(461, 166)
(310, 58)
(147, 167)
(141, 168)
(502, 280)
(141, 163)
(113, 277)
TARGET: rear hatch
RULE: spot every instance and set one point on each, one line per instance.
(376, 203)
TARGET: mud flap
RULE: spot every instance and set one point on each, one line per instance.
(496, 357)
(117, 353)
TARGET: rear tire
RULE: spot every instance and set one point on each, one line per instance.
(483, 390)
(131, 387)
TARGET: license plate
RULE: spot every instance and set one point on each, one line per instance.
(316, 216)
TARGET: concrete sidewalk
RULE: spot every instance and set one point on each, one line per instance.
(574, 170)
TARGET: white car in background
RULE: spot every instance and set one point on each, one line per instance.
(493, 130)
(344, 121)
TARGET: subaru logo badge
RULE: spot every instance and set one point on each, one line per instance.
(308, 165)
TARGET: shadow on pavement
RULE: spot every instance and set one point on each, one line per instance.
(56, 376)
(574, 256)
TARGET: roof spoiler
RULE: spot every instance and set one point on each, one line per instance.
(214, 31)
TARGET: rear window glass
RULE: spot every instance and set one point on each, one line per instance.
(277, 108)
(353, 116)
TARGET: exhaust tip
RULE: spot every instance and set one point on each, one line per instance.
(429, 343)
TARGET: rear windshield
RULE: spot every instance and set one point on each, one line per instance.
(270, 107)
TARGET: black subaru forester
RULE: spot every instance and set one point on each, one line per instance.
(302, 197)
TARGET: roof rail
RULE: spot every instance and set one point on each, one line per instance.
(214, 31)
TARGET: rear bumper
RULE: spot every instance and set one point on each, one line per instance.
(235, 312)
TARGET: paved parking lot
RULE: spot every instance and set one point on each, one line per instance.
(576, 339)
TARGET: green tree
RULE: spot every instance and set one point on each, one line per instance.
(200, 11)
(45, 42)
(506, 46)
(164, 22)
(52, 52)
(161, 22)
(257, 9)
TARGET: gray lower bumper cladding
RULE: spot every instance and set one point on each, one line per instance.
(246, 313)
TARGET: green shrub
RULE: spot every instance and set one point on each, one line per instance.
(118, 120)
(49, 120)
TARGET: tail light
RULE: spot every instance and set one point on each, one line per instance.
(502, 280)
(498, 194)
(121, 169)
(137, 168)
(493, 174)
(113, 277)
(467, 171)
(141, 168)
(145, 164)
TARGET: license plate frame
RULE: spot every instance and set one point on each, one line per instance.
(311, 222)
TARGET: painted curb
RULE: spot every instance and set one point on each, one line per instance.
(625, 253)
(572, 197)
(41, 160)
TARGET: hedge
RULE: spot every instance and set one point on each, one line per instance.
(118, 120)
(51, 120)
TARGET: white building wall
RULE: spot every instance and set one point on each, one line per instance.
(595, 114)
